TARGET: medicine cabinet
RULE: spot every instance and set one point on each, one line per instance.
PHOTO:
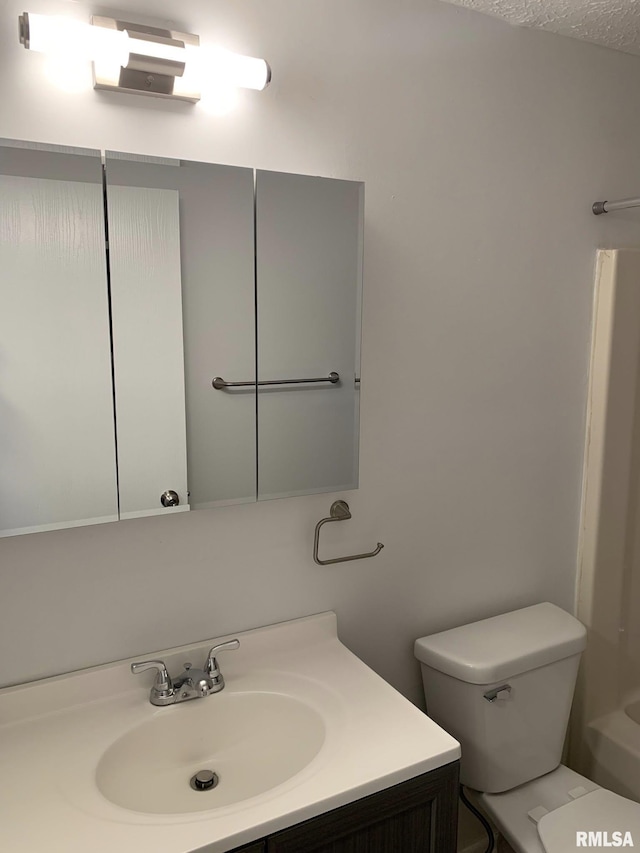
(175, 335)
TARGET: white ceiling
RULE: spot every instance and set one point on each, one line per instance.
(612, 23)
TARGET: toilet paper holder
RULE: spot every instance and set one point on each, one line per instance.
(339, 512)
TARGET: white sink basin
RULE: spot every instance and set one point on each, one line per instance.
(301, 727)
(252, 741)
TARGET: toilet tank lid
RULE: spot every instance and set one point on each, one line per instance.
(493, 649)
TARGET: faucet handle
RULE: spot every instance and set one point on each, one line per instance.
(163, 680)
(211, 666)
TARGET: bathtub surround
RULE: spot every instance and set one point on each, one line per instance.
(605, 732)
(482, 147)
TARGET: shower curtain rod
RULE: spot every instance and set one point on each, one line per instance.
(622, 204)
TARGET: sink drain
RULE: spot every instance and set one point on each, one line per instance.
(204, 780)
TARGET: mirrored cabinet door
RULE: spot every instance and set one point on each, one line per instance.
(175, 335)
(207, 257)
(57, 453)
(308, 283)
(148, 363)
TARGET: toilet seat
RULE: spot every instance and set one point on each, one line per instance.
(598, 811)
(531, 816)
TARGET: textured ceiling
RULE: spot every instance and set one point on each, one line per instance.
(613, 23)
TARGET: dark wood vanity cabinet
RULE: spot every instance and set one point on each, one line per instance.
(418, 816)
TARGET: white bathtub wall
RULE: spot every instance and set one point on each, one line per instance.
(604, 739)
(482, 147)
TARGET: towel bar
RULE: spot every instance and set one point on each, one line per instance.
(219, 383)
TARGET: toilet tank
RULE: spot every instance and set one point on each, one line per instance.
(503, 687)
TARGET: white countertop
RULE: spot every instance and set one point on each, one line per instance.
(53, 733)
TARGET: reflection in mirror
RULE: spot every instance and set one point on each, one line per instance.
(308, 274)
(214, 225)
(148, 365)
(292, 249)
(57, 453)
(113, 332)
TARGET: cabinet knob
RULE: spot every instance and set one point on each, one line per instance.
(169, 498)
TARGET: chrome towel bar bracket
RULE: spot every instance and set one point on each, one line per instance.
(339, 512)
(220, 384)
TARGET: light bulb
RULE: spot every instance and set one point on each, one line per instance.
(248, 72)
(73, 39)
(216, 66)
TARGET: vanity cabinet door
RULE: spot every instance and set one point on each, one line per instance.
(256, 847)
(419, 816)
(308, 287)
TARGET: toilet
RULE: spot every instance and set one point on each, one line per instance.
(503, 687)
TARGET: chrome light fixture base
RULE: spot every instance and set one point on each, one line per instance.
(147, 74)
(23, 29)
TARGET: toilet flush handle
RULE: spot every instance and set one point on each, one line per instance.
(502, 692)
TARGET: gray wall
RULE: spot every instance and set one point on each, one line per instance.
(482, 147)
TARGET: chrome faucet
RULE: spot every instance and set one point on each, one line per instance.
(191, 683)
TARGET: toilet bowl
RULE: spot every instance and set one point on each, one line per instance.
(503, 687)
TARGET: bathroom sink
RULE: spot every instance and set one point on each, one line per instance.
(252, 741)
(301, 727)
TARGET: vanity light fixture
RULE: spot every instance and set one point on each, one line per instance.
(138, 59)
